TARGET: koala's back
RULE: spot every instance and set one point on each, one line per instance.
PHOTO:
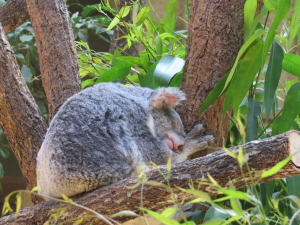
(93, 139)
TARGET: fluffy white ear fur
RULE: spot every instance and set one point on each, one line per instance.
(167, 97)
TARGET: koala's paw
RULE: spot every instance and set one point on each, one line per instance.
(199, 138)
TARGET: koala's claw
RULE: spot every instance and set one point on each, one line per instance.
(198, 131)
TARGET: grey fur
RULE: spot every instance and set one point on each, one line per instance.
(104, 134)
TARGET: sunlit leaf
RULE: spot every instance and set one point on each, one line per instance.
(257, 34)
(142, 15)
(161, 218)
(276, 168)
(120, 70)
(249, 13)
(282, 10)
(291, 64)
(295, 22)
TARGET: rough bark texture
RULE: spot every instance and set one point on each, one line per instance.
(13, 14)
(56, 48)
(215, 35)
(20, 117)
(108, 200)
(122, 31)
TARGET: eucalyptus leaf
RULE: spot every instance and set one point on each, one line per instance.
(266, 192)
(273, 76)
(135, 61)
(295, 22)
(159, 47)
(148, 79)
(257, 34)
(170, 10)
(291, 64)
(282, 10)
(250, 65)
(26, 73)
(290, 109)
(214, 94)
(212, 213)
(120, 70)
(142, 15)
(249, 13)
(166, 69)
(293, 184)
(252, 124)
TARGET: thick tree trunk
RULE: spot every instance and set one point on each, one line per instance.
(215, 35)
(108, 200)
(20, 117)
(56, 47)
(132, 51)
(13, 14)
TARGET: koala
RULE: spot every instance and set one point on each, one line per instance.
(105, 133)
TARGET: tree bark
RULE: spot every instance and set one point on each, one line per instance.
(120, 44)
(20, 117)
(215, 35)
(13, 14)
(56, 48)
(108, 200)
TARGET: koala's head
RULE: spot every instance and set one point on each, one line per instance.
(167, 123)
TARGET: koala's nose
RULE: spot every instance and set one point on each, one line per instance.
(177, 144)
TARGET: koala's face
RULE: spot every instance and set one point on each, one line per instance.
(168, 127)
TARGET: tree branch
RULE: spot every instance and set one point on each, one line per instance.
(13, 14)
(20, 117)
(108, 200)
(56, 48)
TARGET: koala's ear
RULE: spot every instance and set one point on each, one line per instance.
(167, 97)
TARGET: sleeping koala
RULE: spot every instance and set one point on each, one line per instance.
(103, 134)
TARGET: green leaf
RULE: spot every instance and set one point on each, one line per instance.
(266, 192)
(254, 25)
(290, 109)
(283, 8)
(35, 189)
(295, 22)
(86, 83)
(250, 65)
(142, 15)
(124, 11)
(170, 10)
(168, 212)
(161, 218)
(18, 204)
(214, 94)
(291, 64)
(269, 4)
(252, 124)
(169, 164)
(148, 79)
(170, 24)
(275, 127)
(1, 171)
(214, 221)
(257, 34)
(197, 216)
(272, 76)
(213, 213)
(249, 13)
(197, 193)
(120, 70)
(235, 202)
(176, 80)
(135, 61)
(26, 74)
(25, 38)
(86, 10)
(276, 168)
(293, 184)
(165, 70)
(5, 153)
(159, 47)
